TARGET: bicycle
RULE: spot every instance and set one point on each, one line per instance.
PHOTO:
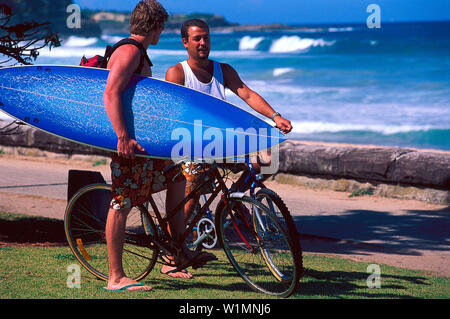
(250, 180)
(261, 249)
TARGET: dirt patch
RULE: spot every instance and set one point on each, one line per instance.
(33, 205)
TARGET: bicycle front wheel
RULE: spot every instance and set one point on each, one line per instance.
(84, 225)
(275, 204)
(258, 246)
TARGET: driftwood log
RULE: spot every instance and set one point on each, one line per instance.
(373, 164)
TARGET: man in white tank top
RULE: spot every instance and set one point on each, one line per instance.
(200, 73)
(203, 74)
(214, 87)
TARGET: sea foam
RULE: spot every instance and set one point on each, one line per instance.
(344, 29)
(111, 38)
(281, 71)
(67, 52)
(249, 43)
(294, 43)
(306, 127)
(74, 41)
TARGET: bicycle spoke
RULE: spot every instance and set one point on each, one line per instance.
(141, 255)
(83, 223)
(82, 231)
(87, 212)
(85, 232)
(258, 247)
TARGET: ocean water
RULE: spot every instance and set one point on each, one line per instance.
(347, 83)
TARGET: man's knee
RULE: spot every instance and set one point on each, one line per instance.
(120, 212)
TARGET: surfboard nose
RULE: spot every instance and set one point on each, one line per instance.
(281, 137)
(275, 137)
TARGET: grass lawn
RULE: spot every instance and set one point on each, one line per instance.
(41, 272)
(38, 272)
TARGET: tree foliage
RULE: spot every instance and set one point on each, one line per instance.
(20, 39)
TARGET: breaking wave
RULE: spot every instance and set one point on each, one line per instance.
(294, 43)
(74, 41)
(249, 43)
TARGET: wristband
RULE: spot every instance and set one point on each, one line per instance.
(275, 114)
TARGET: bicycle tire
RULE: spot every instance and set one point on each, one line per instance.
(273, 201)
(259, 248)
(84, 225)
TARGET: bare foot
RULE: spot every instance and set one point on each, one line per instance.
(170, 271)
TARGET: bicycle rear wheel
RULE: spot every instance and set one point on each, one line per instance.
(258, 246)
(84, 225)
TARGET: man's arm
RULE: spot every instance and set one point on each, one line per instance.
(175, 74)
(253, 99)
(122, 65)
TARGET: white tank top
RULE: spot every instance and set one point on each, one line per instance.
(215, 87)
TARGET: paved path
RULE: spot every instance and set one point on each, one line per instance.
(41, 177)
(405, 233)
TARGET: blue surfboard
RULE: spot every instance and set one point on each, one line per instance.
(168, 120)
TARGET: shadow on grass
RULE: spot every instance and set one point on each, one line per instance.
(216, 275)
(353, 284)
(313, 284)
(31, 229)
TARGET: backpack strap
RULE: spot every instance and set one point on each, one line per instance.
(110, 50)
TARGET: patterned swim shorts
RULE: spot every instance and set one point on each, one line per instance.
(191, 171)
(133, 180)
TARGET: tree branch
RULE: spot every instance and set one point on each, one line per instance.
(19, 41)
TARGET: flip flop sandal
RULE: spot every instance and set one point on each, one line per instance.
(125, 288)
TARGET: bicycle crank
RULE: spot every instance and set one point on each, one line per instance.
(206, 232)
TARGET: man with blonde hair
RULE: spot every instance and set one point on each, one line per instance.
(146, 25)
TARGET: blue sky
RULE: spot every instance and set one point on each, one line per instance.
(294, 11)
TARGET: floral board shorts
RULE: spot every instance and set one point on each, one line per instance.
(191, 172)
(133, 180)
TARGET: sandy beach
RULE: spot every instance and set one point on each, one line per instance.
(404, 233)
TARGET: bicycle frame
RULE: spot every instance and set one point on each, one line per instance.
(211, 174)
(251, 179)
